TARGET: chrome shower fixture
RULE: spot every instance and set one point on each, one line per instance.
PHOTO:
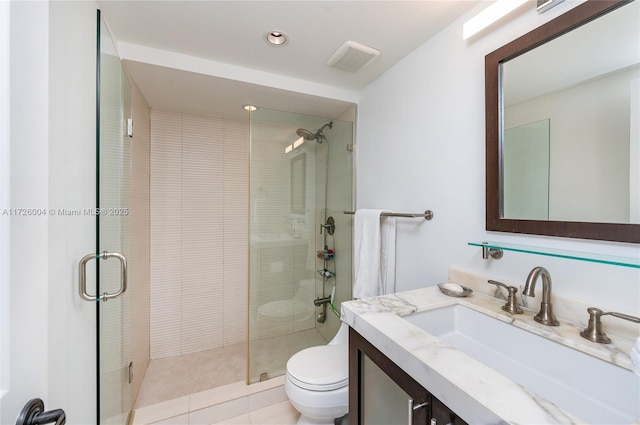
(318, 136)
(327, 274)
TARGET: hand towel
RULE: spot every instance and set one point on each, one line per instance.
(374, 261)
(635, 357)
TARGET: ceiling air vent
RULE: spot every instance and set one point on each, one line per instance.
(352, 57)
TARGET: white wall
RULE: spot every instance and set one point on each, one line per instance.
(28, 339)
(421, 146)
(5, 200)
(71, 179)
(52, 336)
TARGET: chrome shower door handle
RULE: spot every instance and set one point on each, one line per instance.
(82, 276)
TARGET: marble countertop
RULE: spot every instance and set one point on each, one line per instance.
(470, 388)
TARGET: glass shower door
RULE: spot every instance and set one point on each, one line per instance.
(113, 236)
(295, 185)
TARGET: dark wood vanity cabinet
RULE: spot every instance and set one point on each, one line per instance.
(381, 393)
(443, 415)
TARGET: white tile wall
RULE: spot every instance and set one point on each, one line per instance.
(199, 184)
(235, 219)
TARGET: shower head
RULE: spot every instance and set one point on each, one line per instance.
(306, 134)
(319, 135)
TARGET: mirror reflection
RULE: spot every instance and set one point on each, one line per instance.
(298, 182)
(584, 165)
(526, 169)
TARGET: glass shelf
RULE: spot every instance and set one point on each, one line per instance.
(559, 253)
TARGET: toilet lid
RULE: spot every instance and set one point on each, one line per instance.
(322, 368)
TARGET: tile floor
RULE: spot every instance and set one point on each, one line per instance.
(210, 387)
(262, 403)
(173, 377)
(277, 414)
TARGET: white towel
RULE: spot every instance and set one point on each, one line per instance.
(635, 357)
(374, 246)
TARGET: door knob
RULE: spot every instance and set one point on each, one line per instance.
(33, 414)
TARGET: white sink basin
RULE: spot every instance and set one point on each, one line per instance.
(591, 389)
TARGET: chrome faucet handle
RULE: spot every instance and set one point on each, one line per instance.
(594, 331)
(512, 302)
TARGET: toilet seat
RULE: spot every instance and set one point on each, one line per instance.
(321, 368)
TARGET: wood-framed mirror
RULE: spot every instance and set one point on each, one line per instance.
(502, 65)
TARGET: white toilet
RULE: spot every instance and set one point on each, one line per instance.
(317, 380)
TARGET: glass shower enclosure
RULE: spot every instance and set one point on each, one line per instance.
(295, 257)
(113, 233)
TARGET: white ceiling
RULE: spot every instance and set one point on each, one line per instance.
(235, 64)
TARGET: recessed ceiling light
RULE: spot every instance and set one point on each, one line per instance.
(249, 108)
(275, 38)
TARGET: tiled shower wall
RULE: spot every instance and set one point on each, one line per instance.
(199, 232)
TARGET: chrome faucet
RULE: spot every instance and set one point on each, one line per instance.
(545, 315)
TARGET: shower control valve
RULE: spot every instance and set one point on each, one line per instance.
(330, 226)
(326, 273)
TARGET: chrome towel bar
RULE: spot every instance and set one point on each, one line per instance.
(427, 215)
